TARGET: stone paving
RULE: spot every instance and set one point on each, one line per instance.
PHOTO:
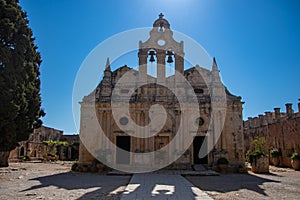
(161, 186)
(29, 181)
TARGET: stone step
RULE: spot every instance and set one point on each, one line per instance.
(169, 172)
(199, 167)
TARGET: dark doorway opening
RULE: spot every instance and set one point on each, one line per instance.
(123, 152)
(22, 151)
(197, 144)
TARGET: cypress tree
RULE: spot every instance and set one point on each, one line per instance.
(20, 109)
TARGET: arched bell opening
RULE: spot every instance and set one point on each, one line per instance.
(161, 29)
(152, 63)
(170, 63)
(161, 24)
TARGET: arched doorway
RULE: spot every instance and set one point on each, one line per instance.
(197, 144)
(22, 150)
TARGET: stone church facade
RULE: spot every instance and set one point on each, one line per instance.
(230, 144)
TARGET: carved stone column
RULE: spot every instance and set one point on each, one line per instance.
(138, 121)
(161, 66)
(179, 64)
(143, 66)
(104, 128)
(108, 129)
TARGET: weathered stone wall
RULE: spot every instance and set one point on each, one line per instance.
(36, 149)
(281, 130)
(230, 144)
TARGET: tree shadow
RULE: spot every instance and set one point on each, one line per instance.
(96, 185)
(231, 182)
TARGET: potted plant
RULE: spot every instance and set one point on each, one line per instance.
(295, 161)
(275, 154)
(222, 164)
(258, 157)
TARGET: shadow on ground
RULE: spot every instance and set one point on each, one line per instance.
(93, 185)
(161, 186)
(231, 182)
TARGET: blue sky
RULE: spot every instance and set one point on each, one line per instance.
(256, 44)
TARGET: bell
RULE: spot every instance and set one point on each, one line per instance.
(152, 53)
(170, 59)
(152, 58)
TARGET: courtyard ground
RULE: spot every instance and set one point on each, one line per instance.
(281, 183)
(56, 181)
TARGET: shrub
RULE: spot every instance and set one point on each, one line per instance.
(222, 160)
(26, 158)
(55, 143)
(258, 149)
(295, 156)
(259, 144)
(275, 153)
(252, 155)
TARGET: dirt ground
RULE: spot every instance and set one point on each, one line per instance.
(56, 181)
(281, 183)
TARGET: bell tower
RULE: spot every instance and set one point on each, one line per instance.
(160, 47)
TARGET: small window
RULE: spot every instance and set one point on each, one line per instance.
(198, 91)
(199, 121)
(124, 121)
(161, 42)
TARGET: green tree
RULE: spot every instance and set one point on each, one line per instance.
(20, 109)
